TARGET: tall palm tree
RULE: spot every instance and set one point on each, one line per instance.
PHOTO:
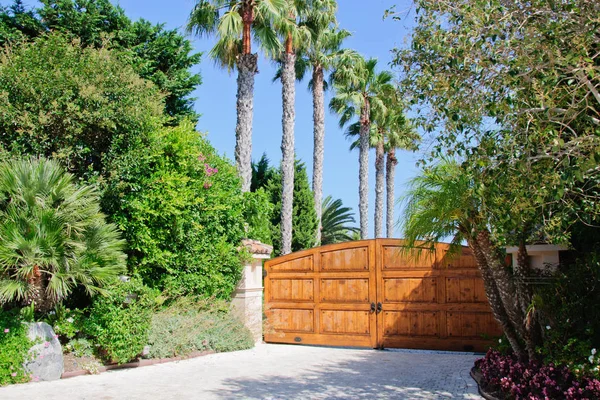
(236, 23)
(53, 236)
(319, 55)
(336, 218)
(360, 90)
(443, 202)
(293, 34)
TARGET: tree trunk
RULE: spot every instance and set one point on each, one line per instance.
(247, 68)
(288, 80)
(525, 296)
(390, 175)
(363, 185)
(379, 187)
(493, 296)
(319, 143)
(504, 282)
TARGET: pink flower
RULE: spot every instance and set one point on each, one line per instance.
(35, 379)
(6, 330)
(207, 185)
(201, 157)
(46, 344)
(41, 356)
(55, 336)
(13, 374)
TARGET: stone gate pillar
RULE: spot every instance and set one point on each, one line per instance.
(247, 303)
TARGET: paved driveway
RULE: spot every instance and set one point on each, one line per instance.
(276, 372)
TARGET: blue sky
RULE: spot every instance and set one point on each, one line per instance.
(372, 36)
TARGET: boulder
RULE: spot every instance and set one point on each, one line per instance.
(45, 358)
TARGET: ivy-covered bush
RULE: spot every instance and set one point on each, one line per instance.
(506, 375)
(194, 324)
(119, 323)
(181, 209)
(14, 345)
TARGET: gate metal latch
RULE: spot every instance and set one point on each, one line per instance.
(372, 307)
(379, 307)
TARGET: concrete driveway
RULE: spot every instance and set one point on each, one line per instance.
(276, 372)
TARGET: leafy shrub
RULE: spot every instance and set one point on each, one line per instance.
(79, 347)
(571, 307)
(65, 322)
(518, 380)
(53, 236)
(79, 105)
(190, 325)
(181, 209)
(257, 208)
(119, 323)
(14, 345)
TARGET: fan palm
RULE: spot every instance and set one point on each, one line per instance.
(236, 23)
(336, 218)
(319, 56)
(360, 91)
(53, 236)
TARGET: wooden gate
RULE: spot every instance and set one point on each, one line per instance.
(375, 293)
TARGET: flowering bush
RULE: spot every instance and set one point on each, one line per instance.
(14, 345)
(532, 380)
(65, 322)
(181, 209)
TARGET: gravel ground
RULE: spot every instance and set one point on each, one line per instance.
(276, 372)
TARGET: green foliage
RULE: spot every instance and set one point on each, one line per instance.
(256, 208)
(53, 236)
(65, 322)
(14, 344)
(181, 209)
(190, 325)
(304, 218)
(80, 106)
(160, 55)
(571, 306)
(119, 323)
(335, 220)
(79, 347)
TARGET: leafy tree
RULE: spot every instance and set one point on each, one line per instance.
(53, 236)
(513, 95)
(181, 209)
(335, 221)
(359, 92)
(81, 106)
(162, 56)
(236, 23)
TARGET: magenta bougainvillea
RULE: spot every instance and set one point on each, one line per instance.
(533, 380)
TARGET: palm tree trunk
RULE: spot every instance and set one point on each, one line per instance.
(319, 143)
(379, 187)
(247, 68)
(390, 176)
(363, 186)
(493, 296)
(288, 79)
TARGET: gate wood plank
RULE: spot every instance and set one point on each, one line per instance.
(429, 299)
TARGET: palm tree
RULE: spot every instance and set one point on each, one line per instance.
(360, 90)
(53, 236)
(443, 202)
(319, 55)
(336, 218)
(236, 23)
(293, 35)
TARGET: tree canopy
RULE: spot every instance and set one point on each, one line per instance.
(160, 55)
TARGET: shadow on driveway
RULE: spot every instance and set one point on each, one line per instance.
(367, 374)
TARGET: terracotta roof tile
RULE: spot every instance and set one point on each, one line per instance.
(256, 247)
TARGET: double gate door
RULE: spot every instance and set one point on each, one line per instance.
(376, 293)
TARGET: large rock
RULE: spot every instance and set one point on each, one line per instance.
(45, 359)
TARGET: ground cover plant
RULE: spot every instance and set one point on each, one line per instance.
(194, 324)
(15, 345)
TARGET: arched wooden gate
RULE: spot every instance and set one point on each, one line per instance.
(373, 293)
